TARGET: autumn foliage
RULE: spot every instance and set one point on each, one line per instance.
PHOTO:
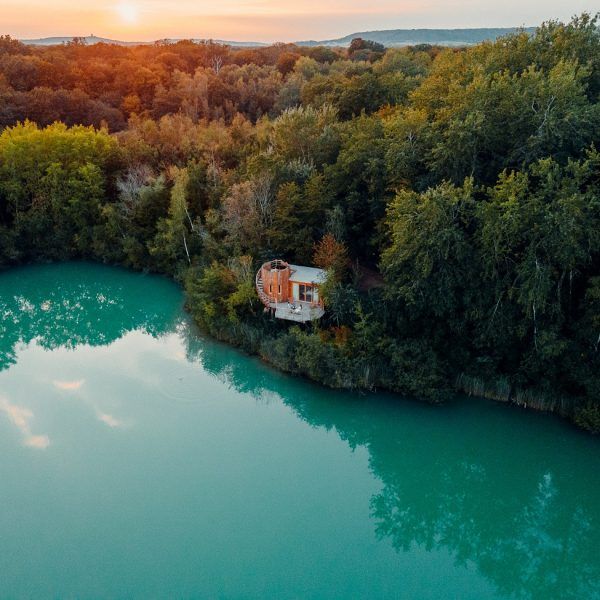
(332, 255)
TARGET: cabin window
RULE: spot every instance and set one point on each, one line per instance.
(306, 294)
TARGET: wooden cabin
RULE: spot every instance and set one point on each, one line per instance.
(291, 291)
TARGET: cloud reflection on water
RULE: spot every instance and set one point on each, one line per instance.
(109, 419)
(20, 417)
(77, 385)
(69, 385)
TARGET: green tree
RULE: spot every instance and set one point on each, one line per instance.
(172, 245)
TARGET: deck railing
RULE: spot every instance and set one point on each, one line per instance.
(277, 265)
(305, 311)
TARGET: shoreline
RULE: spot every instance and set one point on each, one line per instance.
(499, 390)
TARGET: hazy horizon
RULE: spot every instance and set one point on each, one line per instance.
(267, 20)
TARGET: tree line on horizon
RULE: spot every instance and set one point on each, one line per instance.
(453, 195)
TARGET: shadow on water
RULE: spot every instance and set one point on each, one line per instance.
(512, 493)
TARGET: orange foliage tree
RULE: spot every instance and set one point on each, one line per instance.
(331, 255)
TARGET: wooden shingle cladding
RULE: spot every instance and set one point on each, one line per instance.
(276, 281)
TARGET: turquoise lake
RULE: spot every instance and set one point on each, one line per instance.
(139, 459)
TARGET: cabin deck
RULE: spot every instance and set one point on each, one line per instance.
(304, 311)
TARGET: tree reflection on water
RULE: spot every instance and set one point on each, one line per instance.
(89, 304)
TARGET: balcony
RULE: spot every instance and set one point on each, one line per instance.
(301, 312)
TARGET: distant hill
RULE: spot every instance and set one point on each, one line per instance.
(89, 39)
(92, 39)
(411, 37)
(388, 37)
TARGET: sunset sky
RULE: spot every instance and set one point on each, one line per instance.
(267, 20)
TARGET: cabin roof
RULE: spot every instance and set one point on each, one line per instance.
(307, 274)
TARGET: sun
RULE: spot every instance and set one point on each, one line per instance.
(128, 13)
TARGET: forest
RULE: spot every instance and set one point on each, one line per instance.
(452, 195)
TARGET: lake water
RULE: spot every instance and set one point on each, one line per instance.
(140, 460)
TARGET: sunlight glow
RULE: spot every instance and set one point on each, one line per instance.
(128, 13)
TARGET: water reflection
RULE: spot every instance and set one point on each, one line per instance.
(69, 385)
(109, 419)
(77, 386)
(89, 304)
(21, 418)
(513, 494)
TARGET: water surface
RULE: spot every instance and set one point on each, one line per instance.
(139, 460)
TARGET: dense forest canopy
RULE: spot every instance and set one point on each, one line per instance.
(453, 195)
